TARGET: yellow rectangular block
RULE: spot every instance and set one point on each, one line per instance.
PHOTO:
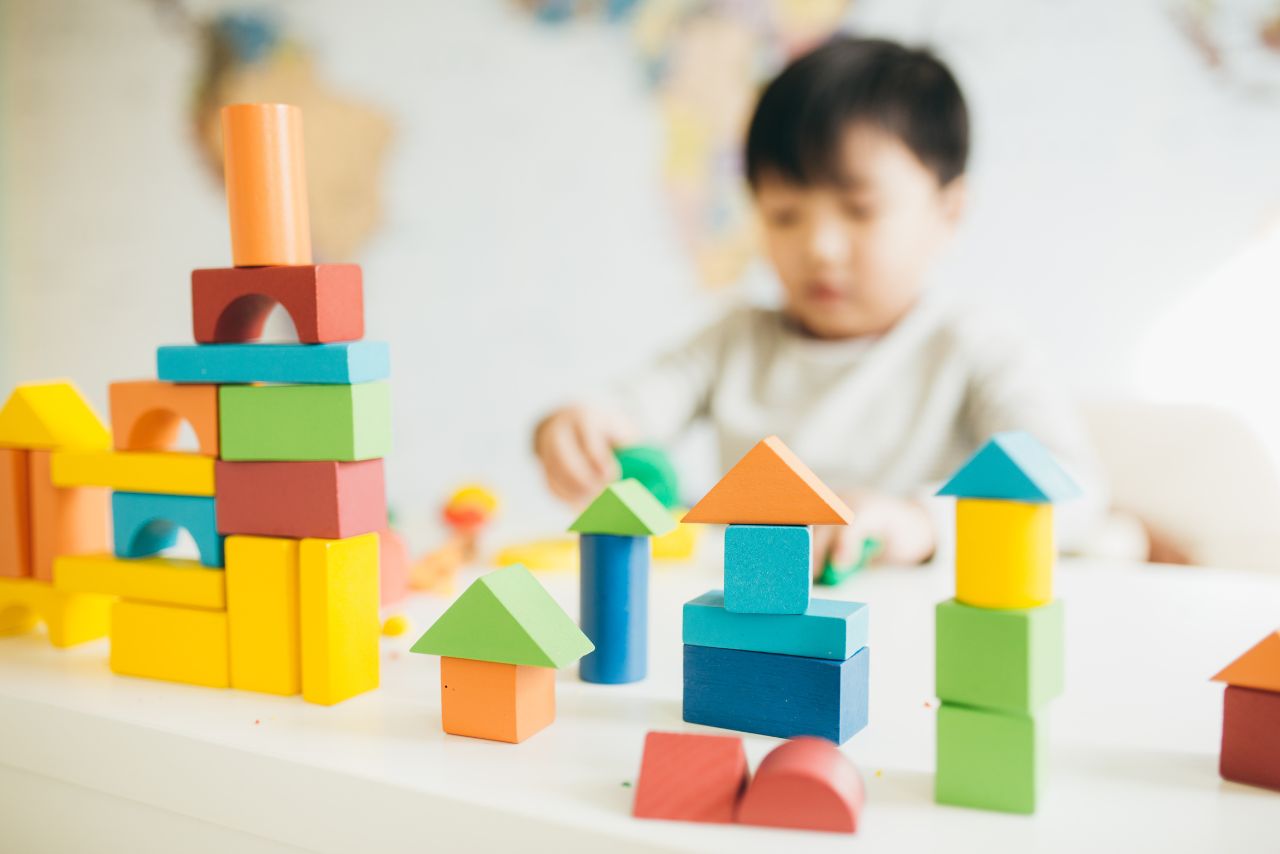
(69, 618)
(1004, 553)
(167, 581)
(338, 594)
(262, 613)
(136, 471)
(173, 644)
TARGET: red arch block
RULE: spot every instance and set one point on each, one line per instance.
(805, 783)
(231, 304)
(146, 415)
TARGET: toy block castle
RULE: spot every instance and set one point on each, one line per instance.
(1251, 716)
(999, 642)
(500, 644)
(283, 494)
(761, 656)
(614, 553)
(40, 519)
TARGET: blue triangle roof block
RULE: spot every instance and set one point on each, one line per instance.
(1012, 467)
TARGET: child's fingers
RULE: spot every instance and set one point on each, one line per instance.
(571, 468)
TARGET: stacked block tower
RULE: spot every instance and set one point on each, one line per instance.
(1251, 716)
(1000, 640)
(284, 495)
(614, 551)
(761, 656)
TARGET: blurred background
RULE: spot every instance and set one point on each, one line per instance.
(544, 194)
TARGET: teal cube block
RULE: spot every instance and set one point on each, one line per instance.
(767, 568)
(830, 628)
(1006, 660)
(990, 760)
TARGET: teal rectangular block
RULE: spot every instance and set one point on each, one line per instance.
(990, 760)
(830, 628)
(331, 364)
(1006, 660)
(304, 422)
(768, 569)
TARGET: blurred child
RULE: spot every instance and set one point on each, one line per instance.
(856, 160)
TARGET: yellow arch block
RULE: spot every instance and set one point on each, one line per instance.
(69, 618)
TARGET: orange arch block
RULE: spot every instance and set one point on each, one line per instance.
(1258, 668)
(805, 783)
(147, 415)
(266, 185)
(500, 702)
(770, 486)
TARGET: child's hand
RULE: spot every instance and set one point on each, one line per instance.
(575, 446)
(903, 528)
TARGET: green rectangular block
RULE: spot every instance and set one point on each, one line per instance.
(1006, 660)
(305, 422)
(990, 760)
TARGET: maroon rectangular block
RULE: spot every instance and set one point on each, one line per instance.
(309, 499)
(231, 304)
(1251, 737)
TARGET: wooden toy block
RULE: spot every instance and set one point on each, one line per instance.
(549, 555)
(1012, 467)
(778, 695)
(262, 614)
(230, 305)
(50, 415)
(306, 422)
(500, 702)
(170, 643)
(326, 499)
(331, 364)
(989, 760)
(834, 574)
(64, 521)
(768, 569)
(338, 595)
(135, 471)
(1004, 553)
(266, 184)
(650, 465)
(770, 486)
(1258, 668)
(830, 628)
(624, 509)
(393, 567)
(162, 581)
(689, 777)
(1004, 660)
(146, 524)
(1251, 737)
(678, 544)
(15, 513)
(806, 784)
(614, 597)
(508, 617)
(147, 415)
(69, 618)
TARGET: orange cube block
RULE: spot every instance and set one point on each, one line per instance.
(147, 415)
(15, 514)
(64, 520)
(500, 702)
(266, 185)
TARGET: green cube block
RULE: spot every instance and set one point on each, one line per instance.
(989, 760)
(1006, 660)
(304, 422)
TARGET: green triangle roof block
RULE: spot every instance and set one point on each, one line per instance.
(506, 617)
(625, 509)
(1012, 467)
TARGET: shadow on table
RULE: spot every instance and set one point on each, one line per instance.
(1169, 769)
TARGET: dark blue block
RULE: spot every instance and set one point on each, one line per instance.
(342, 363)
(147, 524)
(779, 695)
(614, 584)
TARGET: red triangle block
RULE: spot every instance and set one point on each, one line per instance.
(686, 777)
(806, 784)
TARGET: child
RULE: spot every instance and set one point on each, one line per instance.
(855, 158)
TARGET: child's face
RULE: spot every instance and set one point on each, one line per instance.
(852, 256)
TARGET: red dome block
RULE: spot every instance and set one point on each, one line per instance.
(686, 777)
(806, 784)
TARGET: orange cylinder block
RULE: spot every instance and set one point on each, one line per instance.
(266, 185)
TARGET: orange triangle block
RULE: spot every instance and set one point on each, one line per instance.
(1258, 668)
(770, 486)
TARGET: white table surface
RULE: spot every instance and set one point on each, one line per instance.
(89, 760)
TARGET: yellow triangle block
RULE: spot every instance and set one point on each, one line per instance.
(770, 486)
(1258, 668)
(49, 416)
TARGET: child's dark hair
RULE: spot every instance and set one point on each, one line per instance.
(801, 116)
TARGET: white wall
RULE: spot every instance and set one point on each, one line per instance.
(527, 252)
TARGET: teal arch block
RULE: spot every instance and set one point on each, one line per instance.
(147, 524)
